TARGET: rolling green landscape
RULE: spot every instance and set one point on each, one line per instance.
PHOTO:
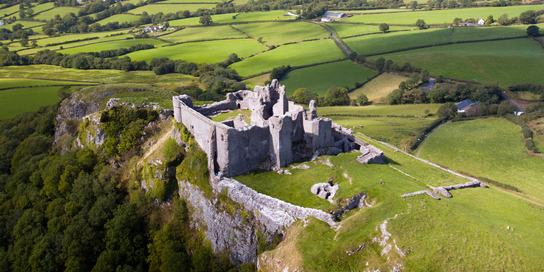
(379, 87)
(97, 47)
(203, 33)
(281, 33)
(348, 30)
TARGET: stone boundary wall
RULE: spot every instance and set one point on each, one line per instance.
(272, 212)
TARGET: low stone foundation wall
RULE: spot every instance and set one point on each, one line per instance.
(272, 212)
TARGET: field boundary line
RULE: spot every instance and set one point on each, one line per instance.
(294, 67)
(337, 40)
(374, 33)
(43, 48)
(538, 41)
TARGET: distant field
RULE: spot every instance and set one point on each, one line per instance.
(320, 78)
(170, 8)
(97, 47)
(203, 33)
(23, 82)
(481, 33)
(371, 11)
(73, 44)
(379, 87)
(79, 36)
(399, 110)
(280, 33)
(208, 52)
(256, 81)
(386, 129)
(26, 24)
(189, 1)
(441, 16)
(293, 54)
(346, 30)
(241, 17)
(106, 76)
(491, 148)
(10, 10)
(42, 7)
(502, 62)
(16, 101)
(121, 18)
(50, 14)
(391, 41)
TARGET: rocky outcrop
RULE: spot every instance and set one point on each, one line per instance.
(324, 190)
(354, 202)
(443, 190)
(371, 154)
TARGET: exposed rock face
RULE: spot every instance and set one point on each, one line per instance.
(324, 190)
(354, 202)
(443, 190)
(371, 154)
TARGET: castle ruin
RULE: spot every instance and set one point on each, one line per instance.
(279, 133)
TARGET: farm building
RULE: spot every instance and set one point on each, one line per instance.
(2, 23)
(481, 22)
(465, 105)
(326, 19)
(334, 15)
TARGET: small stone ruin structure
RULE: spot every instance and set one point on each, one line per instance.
(279, 133)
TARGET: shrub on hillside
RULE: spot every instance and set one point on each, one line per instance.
(527, 132)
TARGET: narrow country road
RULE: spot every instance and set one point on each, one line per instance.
(520, 105)
(346, 51)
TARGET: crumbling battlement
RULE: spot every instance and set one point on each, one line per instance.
(235, 147)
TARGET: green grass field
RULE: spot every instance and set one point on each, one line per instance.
(121, 18)
(97, 47)
(79, 36)
(491, 148)
(397, 40)
(369, 11)
(203, 33)
(292, 54)
(43, 7)
(441, 16)
(398, 110)
(30, 51)
(501, 62)
(320, 78)
(208, 52)
(347, 30)
(11, 10)
(16, 101)
(379, 87)
(386, 129)
(50, 14)
(481, 33)
(287, 32)
(24, 82)
(256, 81)
(224, 116)
(26, 24)
(241, 17)
(170, 8)
(106, 76)
(190, 1)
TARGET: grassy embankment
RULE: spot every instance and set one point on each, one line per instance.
(292, 54)
(491, 148)
(209, 52)
(281, 33)
(320, 78)
(501, 62)
(20, 100)
(440, 16)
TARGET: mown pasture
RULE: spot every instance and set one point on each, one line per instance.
(274, 15)
(20, 100)
(320, 78)
(190, 1)
(347, 30)
(31, 51)
(97, 47)
(441, 16)
(26, 24)
(386, 129)
(384, 42)
(6, 83)
(9, 11)
(491, 148)
(482, 33)
(50, 14)
(43, 7)
(106, 76)
(170, 8)
(397, 110)
(501, 62)
(292, 54)
(80, 36)
(203, 33)
(369, 11)
(208, 52)
(256, 81)
(378, 87)
(121, 18)
(284, 32)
